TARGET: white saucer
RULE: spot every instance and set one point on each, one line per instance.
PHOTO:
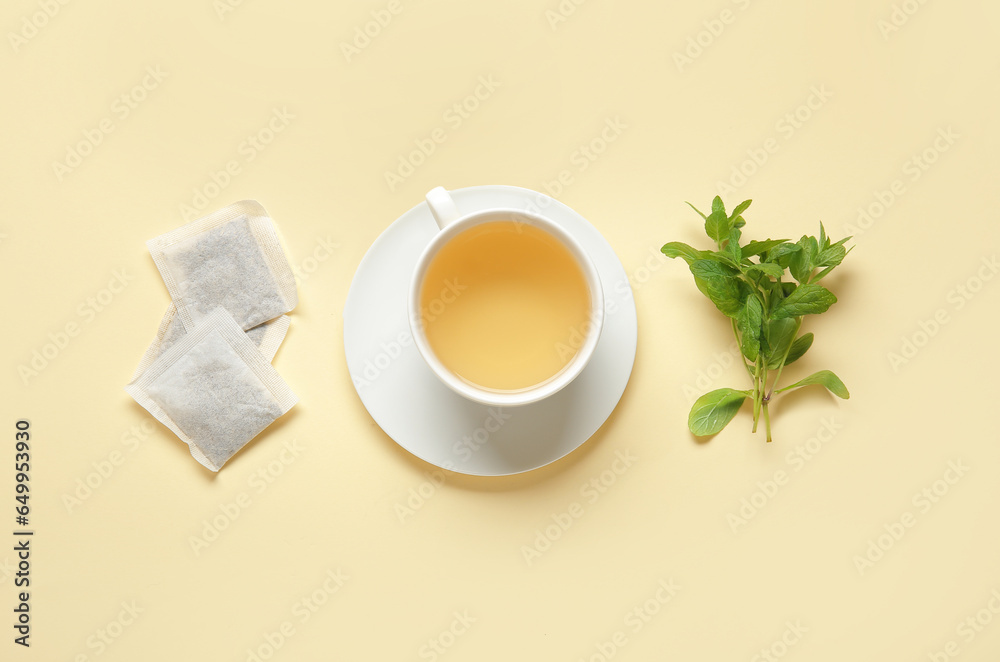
(426, 417)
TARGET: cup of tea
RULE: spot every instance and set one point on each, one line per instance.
(505, 306)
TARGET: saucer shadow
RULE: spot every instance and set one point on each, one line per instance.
(525, 479)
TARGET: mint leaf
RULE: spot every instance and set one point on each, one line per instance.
(824, 378)
(733, 246)
(772, 270)
(779, 334)
(831, 256)
(740, 208)
(717, 226)
(809, 299)
(799, 347)
(719, 284)
(810, 244)
(713, 411)
(736, 219)
(758, 247)
(748, 321)
(725, 258)
(682, 250)
(697, 210)
(782, 253)
(800, 265)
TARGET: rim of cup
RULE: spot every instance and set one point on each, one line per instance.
(555, 383)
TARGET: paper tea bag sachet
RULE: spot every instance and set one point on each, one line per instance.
(267, 337)
(231, 258)
(214, 389)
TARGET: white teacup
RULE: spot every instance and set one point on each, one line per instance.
(451, 223)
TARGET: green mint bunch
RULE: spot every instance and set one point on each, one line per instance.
(765, 288)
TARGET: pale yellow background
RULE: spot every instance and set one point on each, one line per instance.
(338, 504)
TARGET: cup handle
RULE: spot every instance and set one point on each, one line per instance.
(442, 206)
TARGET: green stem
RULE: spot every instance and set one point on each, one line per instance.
(758, 290)
(758, 393)
(739, 348)
(763, 386)
(781, 366)
(767, 423)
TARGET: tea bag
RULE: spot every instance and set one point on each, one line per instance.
(267, 337)
(231, 258)
(214, 389)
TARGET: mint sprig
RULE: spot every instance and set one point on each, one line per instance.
(747, 284)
